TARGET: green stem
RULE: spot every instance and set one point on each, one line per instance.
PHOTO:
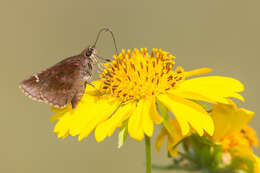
(148, 154)
(174, 167)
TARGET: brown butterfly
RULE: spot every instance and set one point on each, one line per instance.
(64, 82)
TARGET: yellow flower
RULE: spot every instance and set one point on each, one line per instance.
(245, 138)
(231, 129)
(233, 133)
(132, 84)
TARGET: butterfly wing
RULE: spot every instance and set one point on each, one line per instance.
(59, 84)
(31, 88)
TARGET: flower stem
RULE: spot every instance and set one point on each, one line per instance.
(148, 154)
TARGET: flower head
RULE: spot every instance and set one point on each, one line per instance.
(140, 75)
(245, 138)
(234, 134)
(231, 127)
(132, 84)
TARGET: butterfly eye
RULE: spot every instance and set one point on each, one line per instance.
(89, 52)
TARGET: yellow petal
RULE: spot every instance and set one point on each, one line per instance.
(90, 90)
(147, 121)
(237, 96)
(59, 112)
(188, 112)
(62, 127)
(257, 163)
(215, 88)
(154, 113)
(135, 128)
(107, 127)
(228, 118)
(99, 110)
(120, 116)
(176, 138)
(84, 114)
(101, 132)
(160, 138)
(192, 95)
(199, 71)
(173, 140)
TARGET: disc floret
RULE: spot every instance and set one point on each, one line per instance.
(137, 74)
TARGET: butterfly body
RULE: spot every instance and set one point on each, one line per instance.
(64, 82)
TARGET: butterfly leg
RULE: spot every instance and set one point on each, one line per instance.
(94, 87)
(76, 98)
(74, 101)
(100, 67)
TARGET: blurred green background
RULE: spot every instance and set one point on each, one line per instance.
(222, 34)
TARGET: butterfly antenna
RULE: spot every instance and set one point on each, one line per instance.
(113, 37)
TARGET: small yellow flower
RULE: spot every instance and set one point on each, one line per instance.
(245, 138)
(233, 133)
(132, 84)
(231, 129)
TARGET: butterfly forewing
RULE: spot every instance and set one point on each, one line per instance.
(62, 83)
(31, 88)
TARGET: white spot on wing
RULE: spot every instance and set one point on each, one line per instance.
(37, 79)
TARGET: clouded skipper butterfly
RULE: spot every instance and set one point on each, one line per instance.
(64, 82)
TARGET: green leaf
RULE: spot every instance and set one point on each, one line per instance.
(123, 133)
(188, 157)
(165, 114)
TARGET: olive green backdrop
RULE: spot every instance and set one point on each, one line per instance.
(222, 34)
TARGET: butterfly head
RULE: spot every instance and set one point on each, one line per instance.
(91, 52)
